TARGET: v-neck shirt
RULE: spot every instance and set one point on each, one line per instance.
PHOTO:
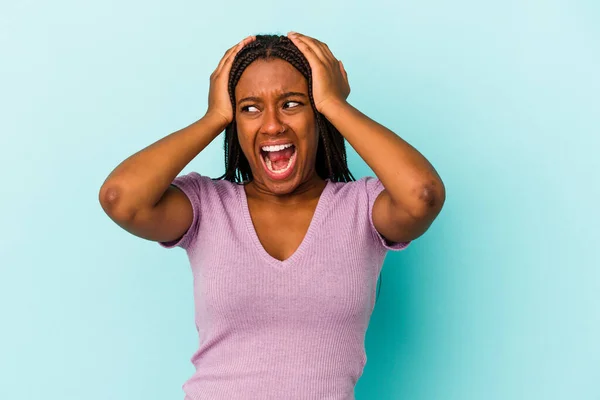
(272, 329)
(308, 236)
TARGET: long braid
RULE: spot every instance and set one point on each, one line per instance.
(331, 151)
(331, 159)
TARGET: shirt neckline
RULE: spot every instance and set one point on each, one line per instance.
(316, 218)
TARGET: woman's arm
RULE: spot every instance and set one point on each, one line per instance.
(139, 181)
(137, 194)
(414, 193)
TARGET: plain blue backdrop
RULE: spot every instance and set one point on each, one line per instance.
(498, 300)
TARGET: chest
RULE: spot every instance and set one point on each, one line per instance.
(281, 230)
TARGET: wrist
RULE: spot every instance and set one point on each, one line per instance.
(330, 107)
(216, 120)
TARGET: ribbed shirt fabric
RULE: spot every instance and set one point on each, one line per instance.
(271, 329)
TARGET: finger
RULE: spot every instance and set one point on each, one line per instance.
(322, 49)
(308, 52)
(343, 70)
(325, 51)
(226, 55)
(345, 74)
(235, 49)
(239, 47)
(231, 53)
(310, 44)
(223, 59)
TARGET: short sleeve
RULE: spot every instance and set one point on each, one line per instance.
(190, 185)
(373, 188)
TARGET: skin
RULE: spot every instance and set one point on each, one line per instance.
(413, 191)
(138, 196)
(281, 211)
(269, 116)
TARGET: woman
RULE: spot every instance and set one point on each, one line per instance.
(286, 246)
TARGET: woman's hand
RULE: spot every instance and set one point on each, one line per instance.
(329, 78)
(219, 103)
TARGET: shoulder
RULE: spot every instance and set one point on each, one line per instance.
(366, 188)
(196, 185)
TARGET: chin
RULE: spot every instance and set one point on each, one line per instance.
(281, 187)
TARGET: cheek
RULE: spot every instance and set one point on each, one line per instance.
(246, 144)
(309, 138)
(246, 133)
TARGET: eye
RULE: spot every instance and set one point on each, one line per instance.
(245, 108)
(296, 102)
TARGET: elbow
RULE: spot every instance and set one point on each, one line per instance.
(429, 199)
(111, 201)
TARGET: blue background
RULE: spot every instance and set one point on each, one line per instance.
(498, 300)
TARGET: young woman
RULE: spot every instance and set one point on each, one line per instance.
(285, 247)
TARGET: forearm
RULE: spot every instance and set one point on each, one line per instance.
(407, 176)
(139, 181)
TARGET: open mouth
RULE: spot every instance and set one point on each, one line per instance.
(279, 161)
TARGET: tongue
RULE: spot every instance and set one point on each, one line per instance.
(279, 159)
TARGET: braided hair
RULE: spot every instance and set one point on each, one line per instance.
(331, 162)
(331, 151)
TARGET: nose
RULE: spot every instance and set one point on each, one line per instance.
(272, 123)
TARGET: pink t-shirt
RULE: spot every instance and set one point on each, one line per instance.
(271, 329)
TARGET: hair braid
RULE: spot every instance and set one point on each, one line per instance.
(331, 159)
(331, 151)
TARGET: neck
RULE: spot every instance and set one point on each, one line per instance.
(307, 190)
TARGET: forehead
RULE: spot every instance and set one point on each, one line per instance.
(263, 78)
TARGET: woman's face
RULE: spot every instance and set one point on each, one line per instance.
(273, 108)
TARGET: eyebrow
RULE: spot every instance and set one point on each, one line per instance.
(281, 96)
